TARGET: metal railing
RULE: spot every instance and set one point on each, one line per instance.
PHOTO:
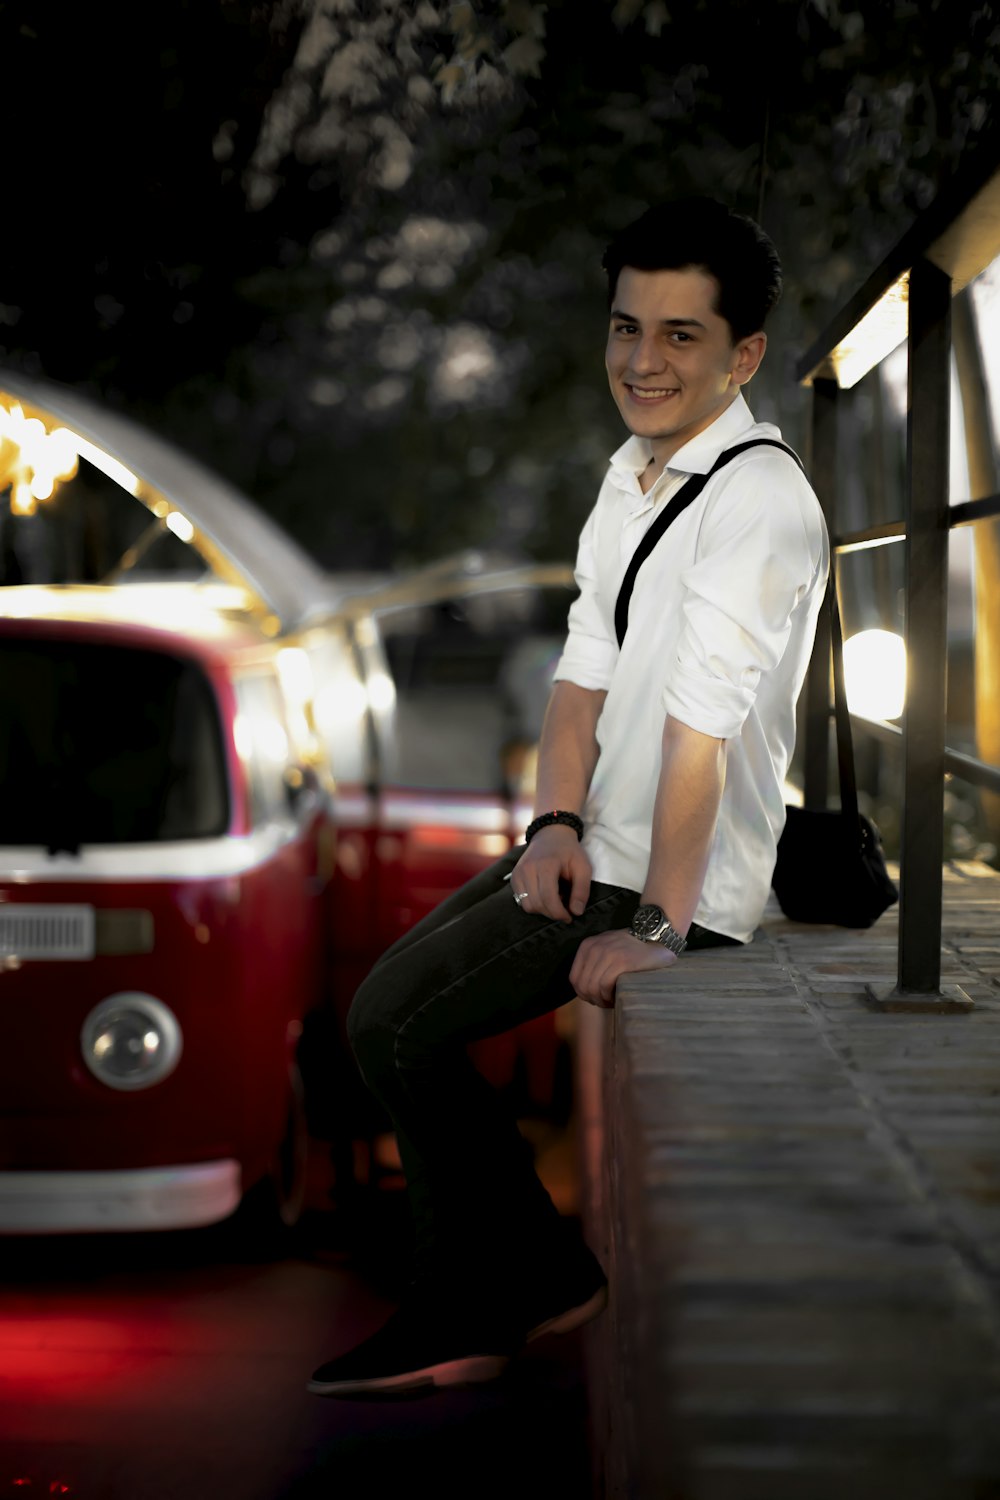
(909, 297)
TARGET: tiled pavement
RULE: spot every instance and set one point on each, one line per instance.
(800, 1201)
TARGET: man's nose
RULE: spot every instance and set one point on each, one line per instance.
(647, 356)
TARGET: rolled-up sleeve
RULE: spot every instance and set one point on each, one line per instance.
(590, 652)
(758, 552)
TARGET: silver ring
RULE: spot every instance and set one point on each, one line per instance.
(519, 896)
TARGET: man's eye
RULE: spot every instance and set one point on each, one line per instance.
(625, 328)
(681, 336)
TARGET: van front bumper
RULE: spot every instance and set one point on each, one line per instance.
(181, 1197)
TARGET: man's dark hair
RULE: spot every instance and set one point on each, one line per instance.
(706, 234)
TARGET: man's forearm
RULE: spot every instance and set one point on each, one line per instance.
(692, 776)
(567, 750)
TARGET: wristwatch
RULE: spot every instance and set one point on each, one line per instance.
(652, 925)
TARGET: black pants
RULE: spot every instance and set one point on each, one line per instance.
(475, 967)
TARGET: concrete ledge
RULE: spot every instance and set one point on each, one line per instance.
(798, 1201)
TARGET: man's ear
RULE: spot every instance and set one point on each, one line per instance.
(748, 354)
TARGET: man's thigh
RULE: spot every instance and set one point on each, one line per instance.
(488, 882)
(486, 969)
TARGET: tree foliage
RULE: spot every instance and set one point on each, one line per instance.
(349, 250)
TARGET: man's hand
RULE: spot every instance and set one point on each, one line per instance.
(555, 853)
(600, 961)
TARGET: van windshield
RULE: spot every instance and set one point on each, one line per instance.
(106, 744)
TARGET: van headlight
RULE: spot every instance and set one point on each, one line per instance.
(131, 1041)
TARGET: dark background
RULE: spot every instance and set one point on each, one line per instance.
(348, 253)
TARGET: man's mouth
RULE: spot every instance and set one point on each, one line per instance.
(650, 393)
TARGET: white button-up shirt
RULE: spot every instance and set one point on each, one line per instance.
(720, 630)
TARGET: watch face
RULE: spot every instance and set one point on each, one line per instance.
(647, 921)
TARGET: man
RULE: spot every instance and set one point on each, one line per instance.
(659, 799)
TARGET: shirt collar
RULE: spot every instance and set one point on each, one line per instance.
(696, 457)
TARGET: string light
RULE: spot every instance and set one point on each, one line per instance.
(32, 460)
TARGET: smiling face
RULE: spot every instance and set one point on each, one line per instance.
(672, 364)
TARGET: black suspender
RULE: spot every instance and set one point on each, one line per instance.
(688, 492)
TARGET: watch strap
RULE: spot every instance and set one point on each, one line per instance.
(666, 935)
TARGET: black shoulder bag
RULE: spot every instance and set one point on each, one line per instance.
(830, 867)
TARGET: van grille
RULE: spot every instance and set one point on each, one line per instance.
(46, 931)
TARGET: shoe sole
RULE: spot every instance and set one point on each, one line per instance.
(574, 1317)
(450, 1373)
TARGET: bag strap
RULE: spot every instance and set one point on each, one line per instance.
(680, 502)
(845, 743)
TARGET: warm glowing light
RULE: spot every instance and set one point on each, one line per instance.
(381, 691)
(297, 685)
(272, 739)
(295, 673)
(875, 674)
(30, 460)
(345, 703)
(243, 737)
(22, 501)
(107, 465)
(62, 453)
(180, 526)
(261, 735)
(202, 607)
(882, 329)
(33, 461)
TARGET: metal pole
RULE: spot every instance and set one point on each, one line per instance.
(918, 984)
(823, 473)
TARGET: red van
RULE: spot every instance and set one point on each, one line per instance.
(226, 787)
(165, 854)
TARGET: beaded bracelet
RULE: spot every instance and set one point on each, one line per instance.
(544, 819)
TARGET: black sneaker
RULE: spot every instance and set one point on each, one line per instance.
(570, 1296)
(420, 1345)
